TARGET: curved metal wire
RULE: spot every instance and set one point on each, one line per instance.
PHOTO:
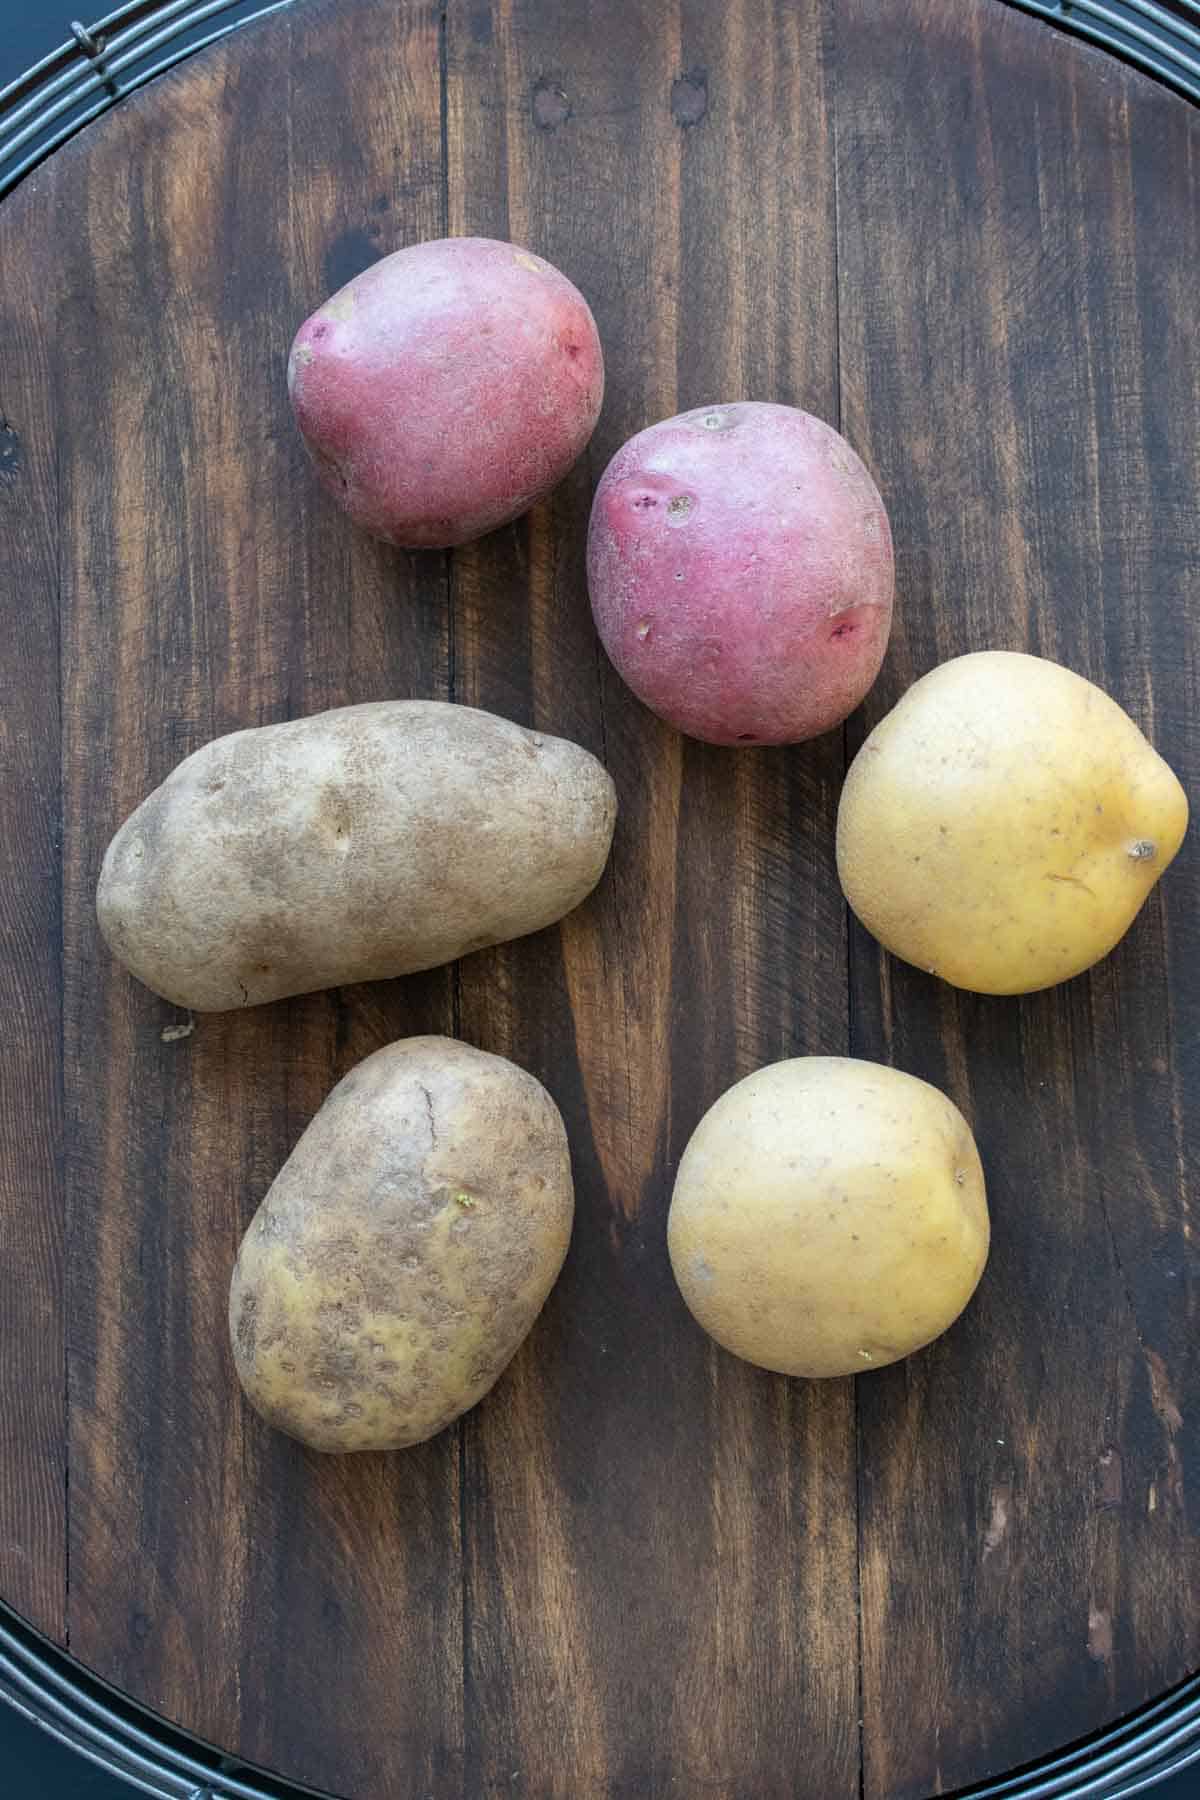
(96, 65)
(1163, 39)
(76, 83)
(52, 1691)
(66, 90)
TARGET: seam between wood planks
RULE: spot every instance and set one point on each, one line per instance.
(832, 71)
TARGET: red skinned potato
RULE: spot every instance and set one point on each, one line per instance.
(740, 572)
(446, 389)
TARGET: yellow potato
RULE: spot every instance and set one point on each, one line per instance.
(405, 1248)
(1003, 824)
(829, 1216)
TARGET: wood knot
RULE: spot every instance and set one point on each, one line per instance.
(551, 107)
(12, 454)
(689, 98)
(348, 255)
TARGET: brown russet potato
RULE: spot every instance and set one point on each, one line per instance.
(405, 1248)
(350, 846)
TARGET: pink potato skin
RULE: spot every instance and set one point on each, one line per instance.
(740, 572)
(447, 388)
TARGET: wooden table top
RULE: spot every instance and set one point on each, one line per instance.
(639, 1568)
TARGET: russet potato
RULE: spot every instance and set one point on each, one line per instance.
(351, 846)
(405, 1248)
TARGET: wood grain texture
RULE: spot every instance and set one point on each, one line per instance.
(1034, 414)
(635, 1569)
(625, 1517)
(206, 585)
(33, 1572)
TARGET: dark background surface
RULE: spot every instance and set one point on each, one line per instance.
(32, 1763)
(27, 32)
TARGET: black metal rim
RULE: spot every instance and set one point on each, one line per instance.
(49, 1689)
(98, 64)
(70, 87)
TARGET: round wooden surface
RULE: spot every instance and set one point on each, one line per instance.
(639, 1567)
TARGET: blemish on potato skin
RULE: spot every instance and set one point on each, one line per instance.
(1071, 881)
(340, 307)
(377, 1314)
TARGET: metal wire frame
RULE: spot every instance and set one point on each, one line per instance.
(1164, 39)
(66, 90)
(52, 1691)
(97, 64)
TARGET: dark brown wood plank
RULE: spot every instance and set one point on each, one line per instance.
(33, 1572)
(677, 165)
(1017, 248)
(305, 1612)
(632, 1570)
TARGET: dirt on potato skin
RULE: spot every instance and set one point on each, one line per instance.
(405, 1249)
(357, 844)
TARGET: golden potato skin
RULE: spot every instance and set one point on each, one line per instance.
(829, 1216)
(1002, 826)
(354, 845)
(404, 1250)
